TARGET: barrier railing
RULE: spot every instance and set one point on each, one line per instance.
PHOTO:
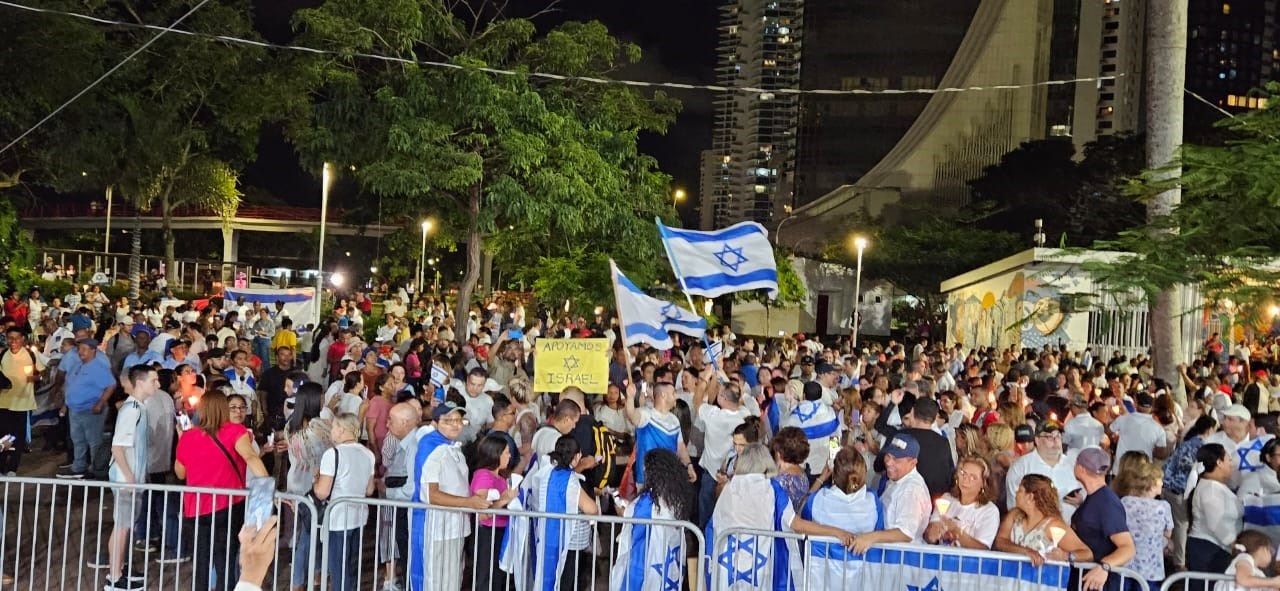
(590, 567)
(1194, 581)
(58, 535)
(746, 557)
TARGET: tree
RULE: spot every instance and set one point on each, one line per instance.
(1079, 202)
(1224, 234)
(917, 258)
(551, 163)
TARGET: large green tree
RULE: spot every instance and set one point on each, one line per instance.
(1079, 200)
(552, 163)
(1225, 234)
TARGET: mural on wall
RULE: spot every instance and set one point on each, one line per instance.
(1024, 312)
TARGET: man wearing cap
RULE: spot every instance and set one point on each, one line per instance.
(1100, 522)
(179, 354)
(160, 342)
(1139, 431)
(918, 419)
(89, 384)
(142, 353)
(1082, 430)
(828, 376)
(440, 479)
(1047, 460)
(907, 504)
(1233, 434)
(804, 371)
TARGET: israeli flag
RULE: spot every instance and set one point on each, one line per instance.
(439, 377)
(647, 319)
(711, 264)
(1262, 513)
(713, 352)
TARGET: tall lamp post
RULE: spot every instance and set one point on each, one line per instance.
(422, 255)
(676, 198)
(860, 243)
(325, 177)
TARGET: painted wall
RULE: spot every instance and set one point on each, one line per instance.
(1021, 307)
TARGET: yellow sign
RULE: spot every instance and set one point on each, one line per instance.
(560, 363)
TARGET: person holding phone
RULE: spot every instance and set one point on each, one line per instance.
(129, 451)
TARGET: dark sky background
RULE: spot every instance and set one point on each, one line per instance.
(678, 38)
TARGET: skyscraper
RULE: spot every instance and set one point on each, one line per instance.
(1231, 50)
(745, 174)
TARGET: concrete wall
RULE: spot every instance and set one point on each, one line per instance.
(823, 281)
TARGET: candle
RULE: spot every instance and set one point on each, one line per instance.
(1056, 533)
(1115, 410)
(1053, 416)
(942, 505)
(192, 400)
(991, 397)
(26, 369)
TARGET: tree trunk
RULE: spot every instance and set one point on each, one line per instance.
(166, 225)
(472, 275)
(135, 258)
(1166, 59)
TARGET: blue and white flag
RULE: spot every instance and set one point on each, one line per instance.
(647, 319)
(817, 420)
(929, 568)
(649, 557)
(713, 352)
(439, 377)
(711, 264)
(1262, 512)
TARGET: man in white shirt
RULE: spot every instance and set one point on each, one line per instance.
(828, 376)
(479, 403)
(1233, 434)
(441, 480)
(718, 422)
(907, 505)
(1049, 461)
(1082, 430)
(1140, 432)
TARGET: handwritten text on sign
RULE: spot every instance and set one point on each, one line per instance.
(560, 363)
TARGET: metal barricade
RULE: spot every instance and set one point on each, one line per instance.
(58, 534)
(747, 558)
(1194, 581)
(379, 550)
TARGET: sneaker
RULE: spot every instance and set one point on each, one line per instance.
(390, 585)
(99, 561)
(69, 474)
(172, 559)
(134, 575)
(144, 546)
(124, 584)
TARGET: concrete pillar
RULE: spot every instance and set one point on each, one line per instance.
(230, 245)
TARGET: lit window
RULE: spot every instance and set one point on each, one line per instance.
(1226, 8)
(760, 189)
(1253, 102)
(1231, 101)
(1262, 103)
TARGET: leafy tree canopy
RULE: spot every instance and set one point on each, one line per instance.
(541, 171)
(1080, 201)
(1225, 234)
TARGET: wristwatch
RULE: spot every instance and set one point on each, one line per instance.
(1106, 567)
(1071, 556)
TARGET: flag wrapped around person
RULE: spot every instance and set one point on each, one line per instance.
(711, 264)
(649, 320)
(650, 557)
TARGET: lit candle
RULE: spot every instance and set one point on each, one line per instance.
(192, 400)
(942, 505)
(26, 369)
(991, 397)
(1053, 416)
(1115, 410)
(1056, 533)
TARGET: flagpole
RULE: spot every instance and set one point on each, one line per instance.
(617, 305)
(680, 277)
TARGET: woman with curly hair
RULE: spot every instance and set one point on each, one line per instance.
(1029, 528)
(666, 496)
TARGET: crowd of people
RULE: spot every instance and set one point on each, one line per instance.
(1048, 454)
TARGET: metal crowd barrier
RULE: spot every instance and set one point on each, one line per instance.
(1194, 581)
(373, 564)
(746, 558)
(57, 535)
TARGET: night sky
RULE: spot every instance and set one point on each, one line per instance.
(678, 38)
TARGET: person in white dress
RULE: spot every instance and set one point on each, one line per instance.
(1253, 556)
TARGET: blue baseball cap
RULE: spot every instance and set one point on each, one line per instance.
(902, 446)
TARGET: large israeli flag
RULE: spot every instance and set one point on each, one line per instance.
(711, 264)
(648, 320)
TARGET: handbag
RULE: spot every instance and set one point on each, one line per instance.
(227, 454)
(322, 504)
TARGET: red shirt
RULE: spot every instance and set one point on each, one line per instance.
(208, 467)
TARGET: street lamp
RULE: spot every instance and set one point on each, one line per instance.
(860, 243)
(422, 255)
(677, 197)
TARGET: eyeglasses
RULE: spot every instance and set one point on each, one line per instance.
(967, 475)
(238, 407)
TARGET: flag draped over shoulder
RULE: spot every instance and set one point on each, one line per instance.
(648, 320)
(711, 264)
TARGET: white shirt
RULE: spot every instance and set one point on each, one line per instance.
(981, 522)
(1221, 438)
(907, 506)
(1082, 431)
(447, 468)
(1137, 432)
(351, 480)
(1217, 514)
(718, 425)
(130, 433)
(479, 414)
(1062, 474)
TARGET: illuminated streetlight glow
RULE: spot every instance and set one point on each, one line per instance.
(422, 255)
(860, 243)
(336, 279)
(677, 197)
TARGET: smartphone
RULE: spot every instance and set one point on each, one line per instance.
(493, 495)
(262, 491)
(184, 421)
(833, 444)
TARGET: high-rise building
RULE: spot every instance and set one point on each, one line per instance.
(745, 173)
(867, 45)
(1110, 45)
(1231, 50)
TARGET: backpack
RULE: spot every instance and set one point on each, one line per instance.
(606, 447)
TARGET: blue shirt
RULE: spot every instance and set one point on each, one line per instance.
(171, 363)
(146, 357)
(752, 374)
(86, 381)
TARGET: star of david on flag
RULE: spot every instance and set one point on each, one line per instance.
(747, 548)
(669, 569)
(711, 264)
(649, 320)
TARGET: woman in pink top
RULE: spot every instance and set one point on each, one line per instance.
(381, 398)
(215, 454)
(492, 457)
